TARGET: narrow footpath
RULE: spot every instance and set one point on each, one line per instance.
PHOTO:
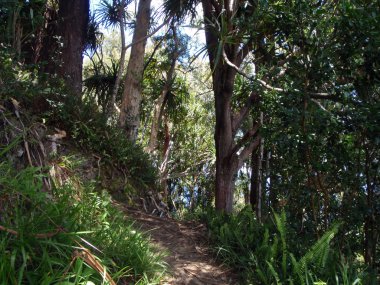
(189, 258)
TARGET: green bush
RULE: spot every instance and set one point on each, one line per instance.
(93, 132)
(45, 238)
(270, 253)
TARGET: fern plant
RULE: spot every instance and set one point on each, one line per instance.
(283, 267)
(266, 253)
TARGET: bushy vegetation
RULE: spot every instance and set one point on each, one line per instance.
(70, 232)
(72, 236)
(93, 132)
(89, 129)
(295, 108)
(274, 253)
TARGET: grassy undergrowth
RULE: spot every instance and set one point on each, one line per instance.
(72, 236)
(271, 254)
(92, 131)
(43, 98)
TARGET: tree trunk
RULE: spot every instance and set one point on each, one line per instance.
(223, 145)
(46, 44)
(226, 161)
(161, 100)
(164, 171)
(257, 178)
(246, 186)
(115, 90)
(230, 155)
(129, 118)
(156, 120)
(73, 20)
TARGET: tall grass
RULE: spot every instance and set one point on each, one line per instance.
(74, 236)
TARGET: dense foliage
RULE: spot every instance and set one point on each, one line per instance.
(273, 253)
(72, 237)
(57, 226)
(293, 88)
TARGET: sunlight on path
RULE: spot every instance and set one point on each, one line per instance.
(188, 256)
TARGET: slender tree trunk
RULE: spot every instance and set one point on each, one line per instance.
(129, 118)
(193, 194)
(156, 120)
(266, 177)
(256, 194)
(17, 31)
(164, 171)
(73, 16)
(119, 75)
(254, 178)
(246, 187)
(161, 100)
(371, 236)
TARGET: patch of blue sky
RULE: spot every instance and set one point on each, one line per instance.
(196, 33)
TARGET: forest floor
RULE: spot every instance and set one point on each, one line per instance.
(189, 258)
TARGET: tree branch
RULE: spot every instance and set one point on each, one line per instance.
(148, 35)
(154, 51)
(248, 150)
(188, 171)
(244, 111)
(251, 133)
(315, 95)
(322, 96)
(243, 52)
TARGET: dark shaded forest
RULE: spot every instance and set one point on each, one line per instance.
(259, 119)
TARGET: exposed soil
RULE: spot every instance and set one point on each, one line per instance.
(189, 258)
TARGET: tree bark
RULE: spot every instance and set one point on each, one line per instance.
(115, 90)
(161, 100)
(226, 162)
(230, 155)
(257, 178)
(46, 45)
(164, 171)
(73, 20)
(129, 118)
(156, 120)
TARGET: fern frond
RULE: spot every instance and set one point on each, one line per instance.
(274, 273)
(280, 222)
(262, 276)
(297, 270)
(318, 253)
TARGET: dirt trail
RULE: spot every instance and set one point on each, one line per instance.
(189, 259)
